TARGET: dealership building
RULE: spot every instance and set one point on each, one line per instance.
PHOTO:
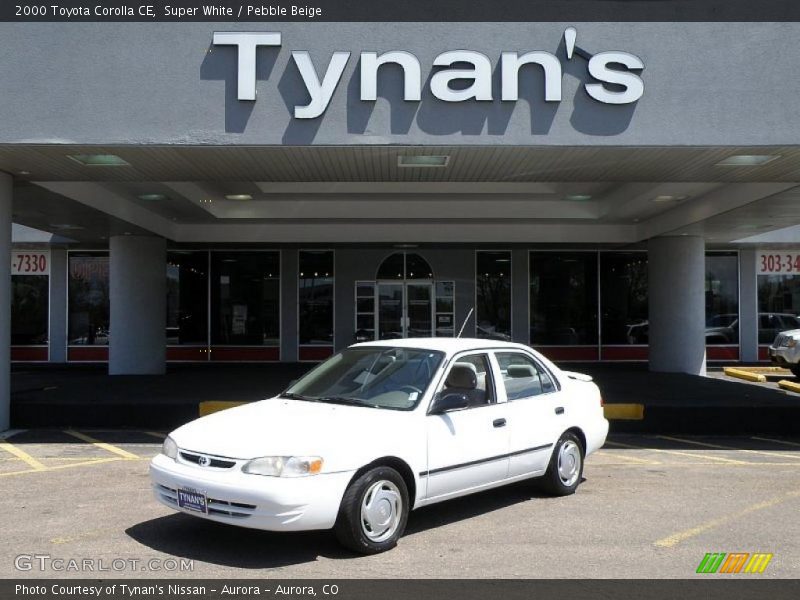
(252, 192)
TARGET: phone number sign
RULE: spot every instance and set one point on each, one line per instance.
(26, 262)
(778, 262)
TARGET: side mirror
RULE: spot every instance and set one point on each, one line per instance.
(449, 402)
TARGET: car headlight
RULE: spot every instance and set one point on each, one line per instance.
(170, 448)
(284, 466)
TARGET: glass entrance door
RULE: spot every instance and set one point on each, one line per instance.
(419, 310)
(404, 310)
(391, 311)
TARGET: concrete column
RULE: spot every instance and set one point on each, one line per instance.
(138, 297)
(289, 280)
(6, 195)
(57, 305)
(748, 306)
(676, 273)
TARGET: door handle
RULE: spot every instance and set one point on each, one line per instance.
(499, 423)
(559, 410)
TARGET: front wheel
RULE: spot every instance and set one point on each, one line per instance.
(795, 369)
(566, 466)
(374, 512)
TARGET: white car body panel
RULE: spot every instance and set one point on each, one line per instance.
(447, 455)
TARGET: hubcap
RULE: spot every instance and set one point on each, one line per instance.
(381, 509)
(569, 463)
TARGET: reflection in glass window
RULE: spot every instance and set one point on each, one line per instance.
(365, 311)
(88, 298)
(445, 309)
(493, 295)
(623, 297)
(245, 298)
(778, 305)
(563, 298)
(187, 297)
(722, 298)
(29, 300)
(315, 297)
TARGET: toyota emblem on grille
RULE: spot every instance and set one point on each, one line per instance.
(203, 461)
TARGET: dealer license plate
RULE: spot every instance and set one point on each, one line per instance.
(193, 500)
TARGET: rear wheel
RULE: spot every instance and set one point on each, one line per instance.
(374, 512)
(795, 369)
(566, 466)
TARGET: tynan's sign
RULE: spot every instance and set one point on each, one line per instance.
(613, 73)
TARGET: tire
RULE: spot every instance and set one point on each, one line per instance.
(371, 532)
(795, 369)
(565, 470)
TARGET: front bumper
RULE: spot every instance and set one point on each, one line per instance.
(783, 355)
(254, 501)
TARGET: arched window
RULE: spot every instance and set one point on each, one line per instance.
(404, 265)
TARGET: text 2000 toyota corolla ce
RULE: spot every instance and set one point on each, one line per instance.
(380, 429)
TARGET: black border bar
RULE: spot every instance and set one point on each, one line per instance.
(254, 11)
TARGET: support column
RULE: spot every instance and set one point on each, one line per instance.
(138, 297)
(58, 305)
(748, 306)
(6, 195)
(289, 332)
(676, 274)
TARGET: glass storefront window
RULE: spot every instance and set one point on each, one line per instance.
(29, 316)
(445, 309)
(404, 265)
(187, 297)
(563, 298)
(493, 295)
(778, 305)
(722, 298)
(623, 297)
(88, 298)
(245, 298)
(315, 297)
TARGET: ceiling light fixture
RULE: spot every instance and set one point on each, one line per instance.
(151, 197)
(666, 198)
(422, 161)
(747, 160)
(578, 197)
(238, 197)
(99, 160)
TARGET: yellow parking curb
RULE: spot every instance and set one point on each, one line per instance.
(624, 412)
(746, 375)
(211, 406)
(792, 386)
(761, 369)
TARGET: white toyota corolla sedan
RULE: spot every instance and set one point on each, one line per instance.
(380, 429)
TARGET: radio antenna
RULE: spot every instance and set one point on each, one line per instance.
(460, 331)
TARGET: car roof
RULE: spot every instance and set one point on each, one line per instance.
(443, 344)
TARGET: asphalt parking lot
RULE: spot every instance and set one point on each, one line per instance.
(650, 506)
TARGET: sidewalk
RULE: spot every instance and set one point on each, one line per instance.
(85, 396)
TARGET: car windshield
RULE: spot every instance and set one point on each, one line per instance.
(375, 376)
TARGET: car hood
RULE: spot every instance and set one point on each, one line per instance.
(280, 427)
(791, 332)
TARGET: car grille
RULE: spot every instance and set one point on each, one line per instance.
(216, 506)
(219, 463)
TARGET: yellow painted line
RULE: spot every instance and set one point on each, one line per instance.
(98, 444)
(624, 412)
(211, 406)
(742, 374)
(719, 447)
(763, 439)
(22, 455)
(156, 434)
(792, 386)
(81, 536)
(677, 538)
(680, 453)
(96, 461)
(632, 459)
